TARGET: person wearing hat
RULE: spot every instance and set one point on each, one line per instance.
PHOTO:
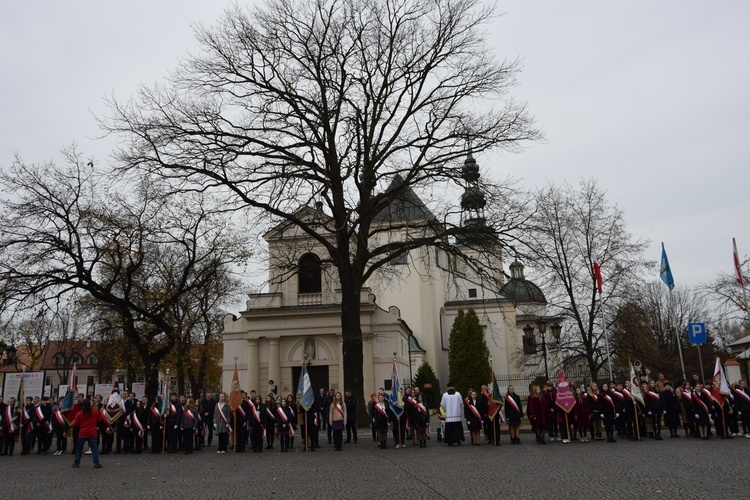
(671, 406)
(452, 405)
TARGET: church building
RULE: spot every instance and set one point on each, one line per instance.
(408, 308)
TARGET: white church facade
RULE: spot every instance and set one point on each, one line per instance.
(407, 312)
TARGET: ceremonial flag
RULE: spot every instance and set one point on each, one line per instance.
(565, 398)
(165, 401)
(69, 400)
(665, 272)
(598, 274)
(305, 394)
(494, 398)
(235, 392)
(395, 398)
(635, 386)
(719, 386)
(737, 266)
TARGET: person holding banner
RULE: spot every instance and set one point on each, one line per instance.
(11, 421)
(513, 414)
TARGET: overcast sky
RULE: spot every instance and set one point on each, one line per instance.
(651, 98)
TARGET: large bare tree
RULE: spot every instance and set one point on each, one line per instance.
(572, 225)
(333, 101)
(130, 250)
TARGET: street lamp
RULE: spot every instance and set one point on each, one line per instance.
(541, 324)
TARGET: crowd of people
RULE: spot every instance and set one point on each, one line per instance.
(611, 410)
(126, 424)
(184, 424)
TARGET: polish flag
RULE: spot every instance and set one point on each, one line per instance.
(598, 273)
(737, 267)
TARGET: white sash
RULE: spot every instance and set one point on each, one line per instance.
(473, 409)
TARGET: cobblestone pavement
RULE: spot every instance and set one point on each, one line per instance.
(674, 468)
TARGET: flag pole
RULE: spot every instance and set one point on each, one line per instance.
(679, 345)
(234, 434)
(635, 415)
(606, 337)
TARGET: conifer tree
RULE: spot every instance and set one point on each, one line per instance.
(468, 356)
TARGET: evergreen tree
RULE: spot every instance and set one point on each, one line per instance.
(468, 356)
(426, 375)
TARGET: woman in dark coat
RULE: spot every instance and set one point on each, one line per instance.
(607, 411)
(582, 415)
(537, 412)
(671, 406)
(473, 411)
(513, 414)
(702, 405)
(269, 420)
(284, 418)
(383, 415)
(422, 421)
(292, 408)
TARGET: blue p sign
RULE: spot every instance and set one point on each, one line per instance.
(697, 333)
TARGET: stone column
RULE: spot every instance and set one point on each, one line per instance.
(252, 365)
(273, 363)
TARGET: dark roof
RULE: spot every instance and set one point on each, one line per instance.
(405, 207)
(520, 290)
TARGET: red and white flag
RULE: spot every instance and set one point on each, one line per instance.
(719, 387)
(598, 274)
(737, 266)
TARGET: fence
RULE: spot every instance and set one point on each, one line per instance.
(522, 381)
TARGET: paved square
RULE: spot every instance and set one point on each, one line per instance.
(673, 468)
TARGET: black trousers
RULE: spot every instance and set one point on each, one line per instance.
(351, 430)
(223, 441)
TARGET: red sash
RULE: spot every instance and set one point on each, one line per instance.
(627, 395)
(26, 416)
(270, 414)
(687, 395)
(282, 415)
(172, 409)
(223, 418)
(156, 413)
(702, 404)
(60, 419)
(619, 395)
(254, 411)
(653, 395)
(242, 411)
(9, 419)
(473, 409)
(190, 415)
(742, 394)
(609, 400)
(40, 416)
(593, 396)
(382, 411)
(512, 402)
(422, 408)
(137, 423)
(337, 407)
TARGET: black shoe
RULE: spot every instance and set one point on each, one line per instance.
(76, 466)
(97, 466)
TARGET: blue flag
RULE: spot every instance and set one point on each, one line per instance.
(396, 397)
(305, 394)
(70, 397)
(665, 272)
(167, 397)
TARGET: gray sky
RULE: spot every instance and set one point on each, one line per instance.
(651, 98)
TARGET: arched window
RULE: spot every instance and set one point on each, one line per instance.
(309, 274)
(76, 360)
(58, 361)
(92, 359)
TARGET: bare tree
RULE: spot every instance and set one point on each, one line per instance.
(353, 104)
(732, 302)
(649, 324)
(572, 224)
(128, 247)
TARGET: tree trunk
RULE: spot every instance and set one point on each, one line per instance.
(151, 373)
(351, 332)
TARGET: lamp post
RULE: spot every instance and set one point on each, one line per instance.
(541, 324)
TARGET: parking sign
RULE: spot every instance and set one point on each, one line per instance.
(697, 333)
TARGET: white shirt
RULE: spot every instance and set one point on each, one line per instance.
(452, 404)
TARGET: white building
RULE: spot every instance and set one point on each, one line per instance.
(408, 309)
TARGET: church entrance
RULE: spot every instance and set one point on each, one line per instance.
(318, 377)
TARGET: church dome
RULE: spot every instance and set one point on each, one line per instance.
(520, 290)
